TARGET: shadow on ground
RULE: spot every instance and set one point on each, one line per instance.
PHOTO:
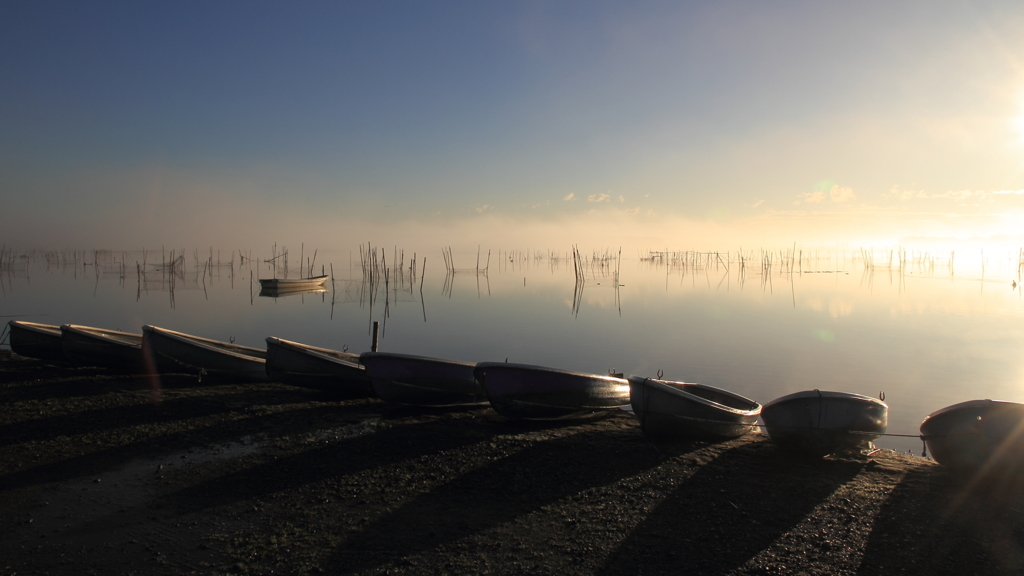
(718, 519)
(939, 523)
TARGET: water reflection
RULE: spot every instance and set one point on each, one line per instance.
(929, 329)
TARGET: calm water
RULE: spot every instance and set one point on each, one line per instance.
(925, 335)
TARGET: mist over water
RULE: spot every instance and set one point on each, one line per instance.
(926, 329)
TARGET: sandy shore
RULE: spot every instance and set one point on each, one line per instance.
(110, 473)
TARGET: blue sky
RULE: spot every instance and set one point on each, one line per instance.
(135, 123)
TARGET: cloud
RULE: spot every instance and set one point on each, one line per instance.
(569, 196)
(484, 208)
(1017, 192)
(622, 198)
(598, 198)
(837, 193)
(758, 203)
(897, 194)
(841, 194)
(962, 194)
(811, 197)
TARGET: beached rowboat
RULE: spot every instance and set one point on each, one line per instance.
(690, 411)
(100, 347)
(977, 435)
(311, 367)
(536, 392)
(42, 341)
(408, 379)
(292, 283)
(818, 423)
(177, 352)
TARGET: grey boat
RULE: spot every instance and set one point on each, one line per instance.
(819, 423)
(536, 392)
(683, 410)
(977, 435)
(291, 291)
(33, 340)
(292, 283)
(100, 347)
(311, 367)
(422, 380)
(178, 352)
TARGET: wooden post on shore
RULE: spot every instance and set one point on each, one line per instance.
(373, 345)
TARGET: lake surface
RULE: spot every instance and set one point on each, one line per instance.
(922, 331)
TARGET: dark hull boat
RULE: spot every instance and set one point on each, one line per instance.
(421, 380)
(99, 347)
(536, 392)
(42, 341)
(690, 411)
(177, 352)
(819, 423)
(311, 367)
(977, 435)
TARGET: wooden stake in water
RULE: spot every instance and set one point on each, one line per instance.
(373, 345)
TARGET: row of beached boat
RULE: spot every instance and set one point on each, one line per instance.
(971, 435)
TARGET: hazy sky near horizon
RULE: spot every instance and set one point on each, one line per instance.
(135, 123)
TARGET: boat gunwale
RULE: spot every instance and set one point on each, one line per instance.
(316, 352)
(666, 386)
(535, 368)
(312, 281)
(986, 403)
(823, 394)
(981, 405)
(411, 358)
(37, 327)
(103, 334)
(207, 344)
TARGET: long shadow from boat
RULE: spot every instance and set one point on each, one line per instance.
(373, 450)
(917, 530)
(513, 486)
(95, 463)
(397, 411)
(759, 494)
(71, 382)
(152, 413)
(490, 417)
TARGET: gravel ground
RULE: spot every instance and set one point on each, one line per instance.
(108, 473)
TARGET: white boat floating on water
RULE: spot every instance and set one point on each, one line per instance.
(683, 410)
(421, 380)
(819, 423)
(311, 367)
(284, 284)
(177, 352)
(977, 435)
(536, 392)
(34, 340)
(100, 347)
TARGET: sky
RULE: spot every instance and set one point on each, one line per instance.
(651, 125)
